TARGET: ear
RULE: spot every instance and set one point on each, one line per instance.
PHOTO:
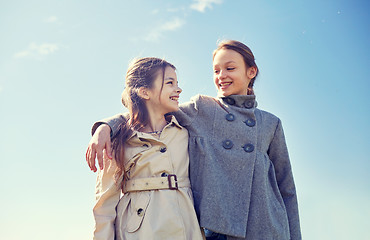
(143, 93)
(251, 72)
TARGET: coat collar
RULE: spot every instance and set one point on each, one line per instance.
(171, 121)
(242, 101)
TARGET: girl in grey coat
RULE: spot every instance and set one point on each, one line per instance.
(240, 170)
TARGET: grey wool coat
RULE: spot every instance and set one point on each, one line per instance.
(240, 171)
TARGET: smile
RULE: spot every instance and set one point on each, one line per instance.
(224, 84)
(174, 98)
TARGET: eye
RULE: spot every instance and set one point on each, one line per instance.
(230, 68)
(216, 71)
(169, 82)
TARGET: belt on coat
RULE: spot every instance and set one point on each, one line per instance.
(171, 182)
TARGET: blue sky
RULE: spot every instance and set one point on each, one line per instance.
(62, 66)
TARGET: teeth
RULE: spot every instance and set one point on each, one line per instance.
(225, 84)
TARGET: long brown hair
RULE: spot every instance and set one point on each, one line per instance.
(246, 53)
(140, 73)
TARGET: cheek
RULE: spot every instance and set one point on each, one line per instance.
(215, 81)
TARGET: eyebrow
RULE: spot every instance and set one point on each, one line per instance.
(170, 78)
(230, 62)
(226, 62)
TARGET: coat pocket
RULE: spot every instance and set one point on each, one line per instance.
(139, 205)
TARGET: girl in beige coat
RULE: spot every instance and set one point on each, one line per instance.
(150, 164)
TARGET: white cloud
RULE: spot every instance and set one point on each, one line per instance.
(173, 25)
(37, 51)
(158, 32)
(51, 19)
(201, 5)
(22, 54)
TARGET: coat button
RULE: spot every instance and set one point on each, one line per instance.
(250, 122)
(230, 117)
(163, 150)
(230, 101)
(248, 104)
(140, 212)
(227, 144)
(248, 147)
(164, 174)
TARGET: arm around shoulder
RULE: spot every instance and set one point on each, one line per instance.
(191, 110)
(102, 132)
(113, 122)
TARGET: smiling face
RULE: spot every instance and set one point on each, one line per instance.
(164, 95)
(230, 73)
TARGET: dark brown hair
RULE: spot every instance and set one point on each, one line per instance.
(246, 53)
(140, 73)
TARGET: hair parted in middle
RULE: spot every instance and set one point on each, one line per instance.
(141, 72)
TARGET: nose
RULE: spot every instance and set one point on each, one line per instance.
(179, 90)
(222, 74)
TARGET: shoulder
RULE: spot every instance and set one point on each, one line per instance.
(270, 127)
(197, 103)
(203, 100)
(268, 115)
(268, 120)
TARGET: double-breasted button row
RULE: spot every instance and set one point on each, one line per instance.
(249, 122)
(228, 144)
(246, 104)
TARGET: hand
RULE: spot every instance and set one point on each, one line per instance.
(99, 143)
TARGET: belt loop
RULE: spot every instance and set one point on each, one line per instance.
(169, 177)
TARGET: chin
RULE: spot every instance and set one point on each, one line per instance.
(174, 109)
(222, 94)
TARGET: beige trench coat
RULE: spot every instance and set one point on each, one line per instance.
(150, 214)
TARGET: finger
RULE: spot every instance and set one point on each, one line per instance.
(92, 159)
(86, 156)
(108, 147)
(99, 154)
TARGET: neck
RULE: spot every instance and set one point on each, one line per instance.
(156, 121)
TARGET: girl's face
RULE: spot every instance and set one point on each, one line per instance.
(230, 74)
(167, 99)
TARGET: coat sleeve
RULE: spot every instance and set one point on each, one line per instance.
(278, 154)
(188, 111)
(113, 122)
(107, 196)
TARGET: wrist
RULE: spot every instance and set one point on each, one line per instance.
(104, 129)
